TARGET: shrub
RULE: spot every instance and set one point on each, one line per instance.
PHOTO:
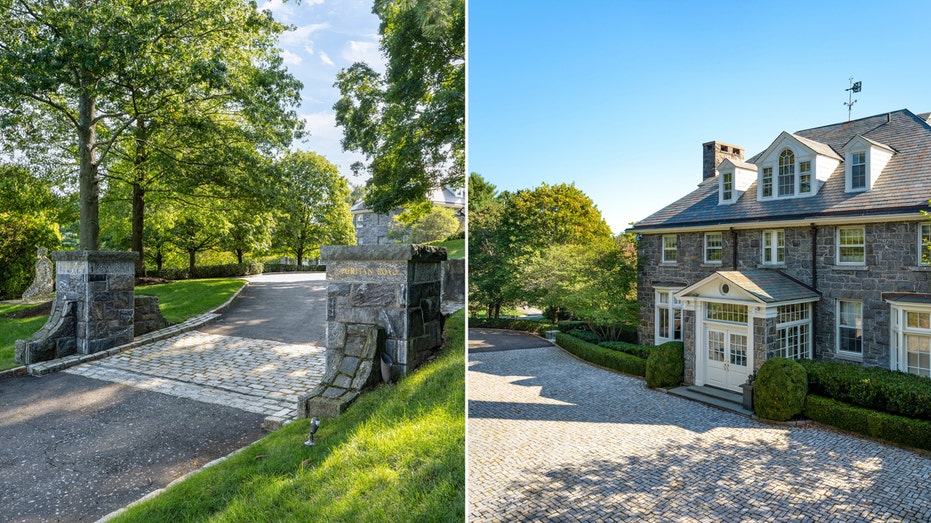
(665, 365)
(511, 323)
(568, 325)
(229, 270)
(583, 334)
(286, 267)
(601, 356)
(779, 390)
(641, 351)
(882, 425)
(871, 387)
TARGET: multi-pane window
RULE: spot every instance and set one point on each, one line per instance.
(729, 312)
(716, 346)
(670, 251)
(924, 244)
(804, 177)
(714, 247)
(851, 245)
(727, 186)
(767, 182)
(668, 316)
(774, 247)
(850, 327)
(857, 171)
(916, 340)
(793, 332)
(786, 173)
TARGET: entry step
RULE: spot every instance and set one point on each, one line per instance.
(721, 399)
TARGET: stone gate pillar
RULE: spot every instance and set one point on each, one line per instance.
(93, 308)
(379, 298)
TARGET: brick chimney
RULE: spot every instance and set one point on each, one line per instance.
(713, 153)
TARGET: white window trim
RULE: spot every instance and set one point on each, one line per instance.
(805, 156)
(922, 261)
(858, 356)
(663, 248)
(837, 246)
(714, 262)
(774, 250)
(669, 308)
(898, 329)
(798, 323)
(848, 170)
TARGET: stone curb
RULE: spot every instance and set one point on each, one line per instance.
(47, 367)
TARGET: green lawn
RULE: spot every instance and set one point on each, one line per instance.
(12, 329)
(454, 248)
(178, 300)
(397, 454)
(184, 299)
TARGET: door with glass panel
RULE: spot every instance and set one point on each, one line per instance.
(727, 359)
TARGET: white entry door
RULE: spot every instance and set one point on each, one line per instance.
(726, 361)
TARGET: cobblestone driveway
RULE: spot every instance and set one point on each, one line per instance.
(554, 439)
(258, 376)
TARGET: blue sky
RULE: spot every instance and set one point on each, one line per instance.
(328, 35)
(619, 96)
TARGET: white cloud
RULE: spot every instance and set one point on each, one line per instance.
(302, 34)
(326, 59)
(325, 139)
(361, 51)
(309, 48)
(290, 58)
(281, 11)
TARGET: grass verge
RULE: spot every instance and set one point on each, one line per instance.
(180, 300)
(455, 249)
(397, 454)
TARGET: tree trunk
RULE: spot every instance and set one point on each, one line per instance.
(89, 236)
(158, 260)
(239, 254)
(192, 255)
(138, 217)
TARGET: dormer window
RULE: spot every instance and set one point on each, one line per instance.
(727, 186)
(857, 171)
(786, 173)
(804, 177)
(767, 182)
(734, 178)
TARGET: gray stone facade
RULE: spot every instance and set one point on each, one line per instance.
(892, 266)
(372, 228)
(147, 316)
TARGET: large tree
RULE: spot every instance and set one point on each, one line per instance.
(311, 206)
(410, 122)
(108, 66)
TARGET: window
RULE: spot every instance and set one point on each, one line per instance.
(670, 252)
(774, 247)
(727, 186)
(793, 332)
(850, 327)
(714, 247)
(913, 331)
(786, 173)
(857, 171)
(767, 182)
(924, 244)
(851, 246)
(804, 177)
(728, 312)
(668, 316)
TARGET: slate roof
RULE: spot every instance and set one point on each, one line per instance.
(767, 286)
(904, 186)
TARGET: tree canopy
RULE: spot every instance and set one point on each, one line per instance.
(410, 122)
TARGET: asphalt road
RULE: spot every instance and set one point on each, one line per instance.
(492, 340)
(287, 307)
(74, 449)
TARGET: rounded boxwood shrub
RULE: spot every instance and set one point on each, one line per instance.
(779, 390)
(666, 365)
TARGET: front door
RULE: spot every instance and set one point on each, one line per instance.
(726, 360)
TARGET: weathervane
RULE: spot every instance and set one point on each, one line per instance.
(854, 88)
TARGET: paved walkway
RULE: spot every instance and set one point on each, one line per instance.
(551, 438)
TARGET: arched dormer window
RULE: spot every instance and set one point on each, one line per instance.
(786, 180)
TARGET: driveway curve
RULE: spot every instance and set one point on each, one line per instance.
(552, 438)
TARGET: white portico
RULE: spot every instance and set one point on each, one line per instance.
(735, 320)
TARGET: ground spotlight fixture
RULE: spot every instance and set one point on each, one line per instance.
(314, 425)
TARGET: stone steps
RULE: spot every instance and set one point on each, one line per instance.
(722, 399)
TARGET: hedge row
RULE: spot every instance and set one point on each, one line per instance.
(871, 387)
(882, 425)
(230, 270)
(628, 333)
(285, 267)
(601, 356)
(511, 323)
(641, 351)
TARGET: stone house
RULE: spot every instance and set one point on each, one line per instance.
(372, 228)
(813, 248)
